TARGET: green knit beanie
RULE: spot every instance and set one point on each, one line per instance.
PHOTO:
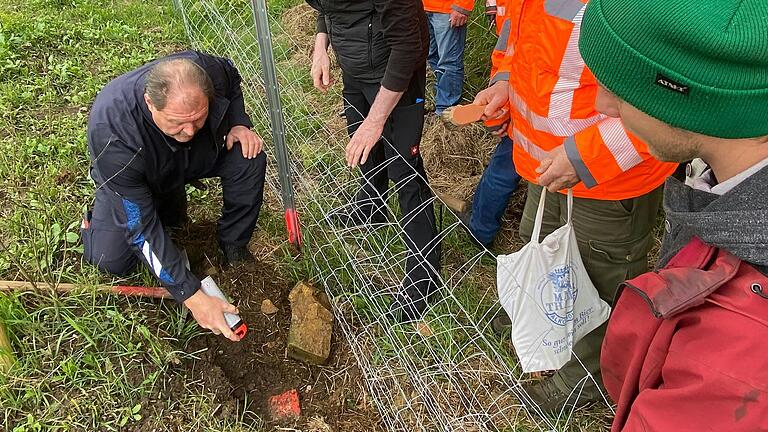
(699, 65)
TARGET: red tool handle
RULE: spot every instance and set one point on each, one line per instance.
(294, 229)
(139, 291)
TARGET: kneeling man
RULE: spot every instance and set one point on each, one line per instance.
(150, 132)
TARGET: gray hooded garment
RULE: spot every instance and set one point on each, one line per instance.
(736, 221)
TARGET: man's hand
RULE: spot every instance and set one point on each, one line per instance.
(321, 64)
(250, 142)
(369, 132)
(556, 172)
(495, 98)
(457, 19)
(209, 313)
(366, 136)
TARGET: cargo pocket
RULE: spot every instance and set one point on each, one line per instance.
(626, 206)
(611, 263)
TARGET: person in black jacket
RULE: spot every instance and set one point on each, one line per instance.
(150, 132)
(382, 47)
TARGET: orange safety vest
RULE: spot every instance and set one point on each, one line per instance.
(446, 6)
(491, 8)
(552, 101)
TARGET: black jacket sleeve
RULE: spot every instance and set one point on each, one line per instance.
(121, 168)
(405, 30)
(236, 111)
(321, 25)
(227, 83)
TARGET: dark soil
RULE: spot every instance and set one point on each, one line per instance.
(257, 368)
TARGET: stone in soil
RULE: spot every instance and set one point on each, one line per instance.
(309, 339)
(285, 406)
(268, 308)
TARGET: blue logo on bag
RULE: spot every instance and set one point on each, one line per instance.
(558, 294)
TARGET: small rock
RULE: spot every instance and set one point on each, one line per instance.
(309, 339)
(268, 308)
(285, 406)
(424, 329)
(212, 271)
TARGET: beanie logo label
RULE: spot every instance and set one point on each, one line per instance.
(670, 84)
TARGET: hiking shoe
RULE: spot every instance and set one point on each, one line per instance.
(403, 310)
(501, 324)
(234, 255)
(545, 397)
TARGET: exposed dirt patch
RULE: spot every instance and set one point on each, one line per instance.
(257, 368)
(65, 177)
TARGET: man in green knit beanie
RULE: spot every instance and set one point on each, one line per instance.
(684, 347)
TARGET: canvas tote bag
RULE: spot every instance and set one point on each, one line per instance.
(545, 290)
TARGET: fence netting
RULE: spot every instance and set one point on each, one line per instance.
(450, 373)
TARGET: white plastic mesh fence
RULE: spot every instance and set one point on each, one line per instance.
(451, 373)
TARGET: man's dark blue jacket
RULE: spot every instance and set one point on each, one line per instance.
(132, 160)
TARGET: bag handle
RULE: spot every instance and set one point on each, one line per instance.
(539, 216)
(540, 213)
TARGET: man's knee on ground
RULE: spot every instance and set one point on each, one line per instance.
(112, 265)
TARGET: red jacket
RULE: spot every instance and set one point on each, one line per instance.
(685, 349)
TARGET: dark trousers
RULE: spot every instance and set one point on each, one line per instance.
(107, 244)
(403, 162)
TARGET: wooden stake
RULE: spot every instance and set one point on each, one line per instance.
(154, 292)
(462, 115)
(6, 353)
(455, 204)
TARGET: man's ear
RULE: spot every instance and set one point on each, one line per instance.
(149, 103)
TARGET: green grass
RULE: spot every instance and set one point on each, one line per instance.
(84, 361)
(97, 362)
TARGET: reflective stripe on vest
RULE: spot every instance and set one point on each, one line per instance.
(578, 163)
(615, 138)
(572, 65)
(565, 9)
(532, 149)
(562, 126)
(501, 44)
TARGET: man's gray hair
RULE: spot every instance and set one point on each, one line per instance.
(169, 75)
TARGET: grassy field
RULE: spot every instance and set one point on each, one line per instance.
(95, 362)
(84, 361)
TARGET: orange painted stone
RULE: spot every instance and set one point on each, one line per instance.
(285, 406)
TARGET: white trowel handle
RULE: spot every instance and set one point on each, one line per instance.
(233, 321)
